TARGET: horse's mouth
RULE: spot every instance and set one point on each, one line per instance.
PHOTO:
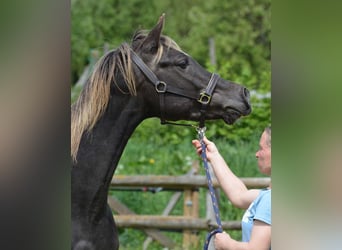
(231, 116)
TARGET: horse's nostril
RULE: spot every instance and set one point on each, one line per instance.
(246, 92)
(247, 100)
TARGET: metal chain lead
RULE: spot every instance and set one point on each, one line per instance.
(201, 134)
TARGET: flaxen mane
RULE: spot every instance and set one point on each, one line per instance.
(94, 97)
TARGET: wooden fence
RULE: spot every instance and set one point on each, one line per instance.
(189, 223)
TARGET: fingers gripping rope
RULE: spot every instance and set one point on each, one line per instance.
(201, 132)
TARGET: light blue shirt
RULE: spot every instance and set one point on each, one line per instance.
(260, 209)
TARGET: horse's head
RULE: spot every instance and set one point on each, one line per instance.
(183, 79)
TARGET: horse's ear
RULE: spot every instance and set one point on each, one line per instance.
(151, 42)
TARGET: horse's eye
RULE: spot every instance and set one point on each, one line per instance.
(183, 64)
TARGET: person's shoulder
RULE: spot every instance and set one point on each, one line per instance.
(263, 206)
(265, 191)
(264, 196)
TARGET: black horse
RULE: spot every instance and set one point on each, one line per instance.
(151, 78)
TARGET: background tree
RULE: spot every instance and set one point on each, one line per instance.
(241, 30)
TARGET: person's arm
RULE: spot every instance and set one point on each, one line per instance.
(232, 186)
(260, 239)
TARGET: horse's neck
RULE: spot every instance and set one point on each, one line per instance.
(100, 151)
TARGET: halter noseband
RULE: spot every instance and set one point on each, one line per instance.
(161, 88)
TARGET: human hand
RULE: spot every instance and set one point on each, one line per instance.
(210, 147)
(222, 241)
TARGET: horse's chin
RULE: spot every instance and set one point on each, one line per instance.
(231, 117)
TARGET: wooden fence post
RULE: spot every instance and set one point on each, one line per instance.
(191, 208)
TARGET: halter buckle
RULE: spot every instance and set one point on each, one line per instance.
(161, 87)
(204, 98)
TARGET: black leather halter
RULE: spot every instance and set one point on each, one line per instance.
(161, 87)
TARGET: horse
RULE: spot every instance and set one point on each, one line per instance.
(151, 77)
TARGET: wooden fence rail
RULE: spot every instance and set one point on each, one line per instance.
(171, 222)
(189, 223)
(179, 182)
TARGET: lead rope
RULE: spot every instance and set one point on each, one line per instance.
(201, 131)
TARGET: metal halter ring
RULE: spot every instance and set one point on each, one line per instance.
(204, 98)
(161, 87)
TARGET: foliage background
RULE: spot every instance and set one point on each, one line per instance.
(241, 31)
